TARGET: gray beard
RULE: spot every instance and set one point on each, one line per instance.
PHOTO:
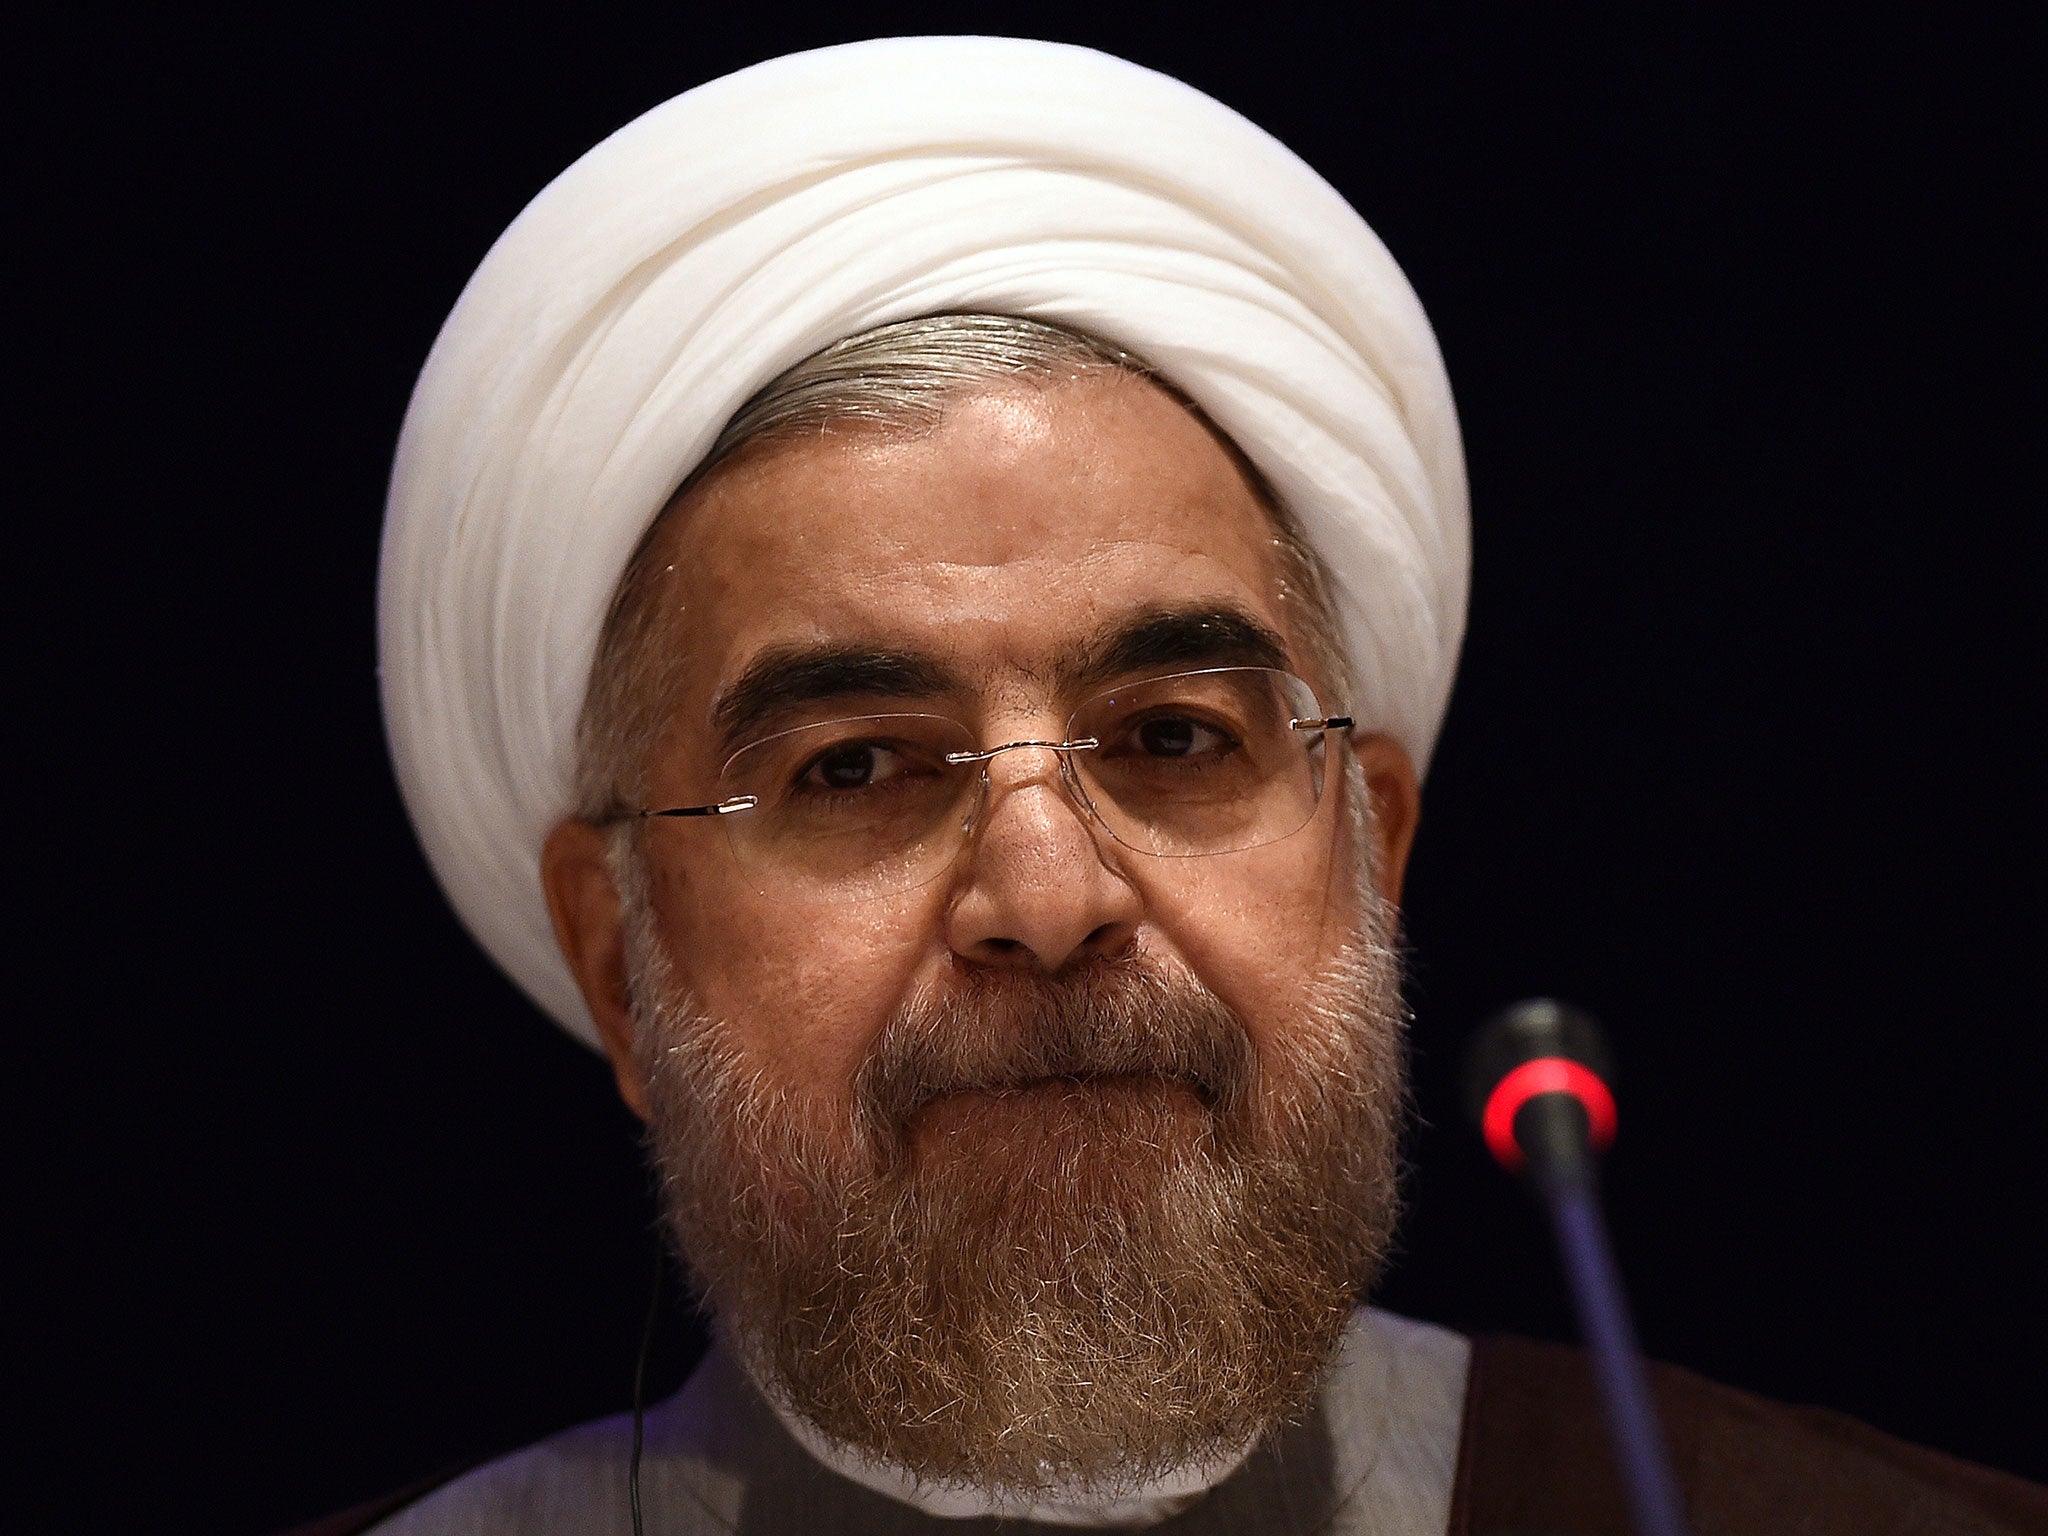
(1140, 1251)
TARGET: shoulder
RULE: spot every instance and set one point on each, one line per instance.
(572, 1482)
(1533, 1455)
(578, 1483)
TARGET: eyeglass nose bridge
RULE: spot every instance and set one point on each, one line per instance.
(1079, 744)
(1069, 779)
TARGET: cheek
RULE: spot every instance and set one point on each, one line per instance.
(1258, 927)
(804, 990)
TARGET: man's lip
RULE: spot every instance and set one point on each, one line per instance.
(1063, 1081)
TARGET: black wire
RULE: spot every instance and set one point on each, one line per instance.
(640, 1386)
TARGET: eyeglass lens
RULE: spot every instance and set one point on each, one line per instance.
(1197, 763)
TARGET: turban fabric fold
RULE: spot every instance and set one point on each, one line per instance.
(707, 246)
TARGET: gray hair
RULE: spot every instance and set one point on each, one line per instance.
(901, 378)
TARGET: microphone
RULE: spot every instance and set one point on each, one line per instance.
(1536, 1080)
(1536, 1084)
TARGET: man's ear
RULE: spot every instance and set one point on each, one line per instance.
(1396, 806)
(590, 928)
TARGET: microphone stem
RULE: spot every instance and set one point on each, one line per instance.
(1632, 1425)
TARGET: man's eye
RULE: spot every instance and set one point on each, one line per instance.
(856, 765)
(1179, 736)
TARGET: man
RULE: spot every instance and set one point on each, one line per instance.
(920, 582)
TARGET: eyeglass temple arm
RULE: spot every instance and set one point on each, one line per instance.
(722, 808)
(1328, 723)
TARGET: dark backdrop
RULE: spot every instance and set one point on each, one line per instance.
(1741, 322)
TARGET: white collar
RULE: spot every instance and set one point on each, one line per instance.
(1148, 1505)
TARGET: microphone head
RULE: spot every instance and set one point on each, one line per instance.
(1536, 1078)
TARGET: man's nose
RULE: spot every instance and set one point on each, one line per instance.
(1036, 891)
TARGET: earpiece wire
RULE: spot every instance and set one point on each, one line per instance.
(640, 1387)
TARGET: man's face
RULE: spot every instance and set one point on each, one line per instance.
(1031, 526)
(1068, 1162)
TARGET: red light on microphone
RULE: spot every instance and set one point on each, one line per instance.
(1546, 1074)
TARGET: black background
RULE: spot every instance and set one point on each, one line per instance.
(1742, 324)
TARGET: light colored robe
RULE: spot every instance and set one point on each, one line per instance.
(1376, 1457)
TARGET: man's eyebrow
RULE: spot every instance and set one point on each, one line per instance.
(1203, 635)
(784, 678)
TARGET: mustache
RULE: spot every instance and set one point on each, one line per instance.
(1112, 1018)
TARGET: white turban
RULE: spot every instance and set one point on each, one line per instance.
(724, 236)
